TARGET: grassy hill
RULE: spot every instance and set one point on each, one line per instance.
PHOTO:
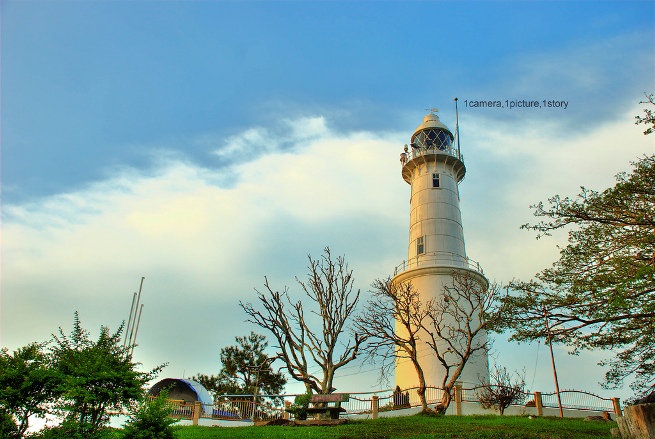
(420, 427)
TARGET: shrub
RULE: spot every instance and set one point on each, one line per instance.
(300, 405)
(150, 419)
(504, 391)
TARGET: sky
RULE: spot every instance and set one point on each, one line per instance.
(204, 145)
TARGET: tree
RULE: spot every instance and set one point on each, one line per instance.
(456, 326)
(246, 369)
(398, 325)
(95, 377)
(502, 390)
(649, 117)
(391, 321)
(329, 289)
(27, 384)
(600, 294)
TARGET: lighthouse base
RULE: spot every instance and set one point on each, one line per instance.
(456, 293)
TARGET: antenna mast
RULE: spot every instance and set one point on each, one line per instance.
(129, 320)
(134, 320)
(459, 152)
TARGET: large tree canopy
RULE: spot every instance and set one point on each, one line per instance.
(600, 294)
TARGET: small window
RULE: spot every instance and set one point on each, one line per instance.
(420, 246)
(435, 180)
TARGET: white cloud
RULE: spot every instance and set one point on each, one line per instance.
(203, 246)
(261, 140)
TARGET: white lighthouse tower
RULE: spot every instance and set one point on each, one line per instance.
(434, 167)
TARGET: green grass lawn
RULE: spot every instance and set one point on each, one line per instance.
(420, 427)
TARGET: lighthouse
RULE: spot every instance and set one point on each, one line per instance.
(433, 166)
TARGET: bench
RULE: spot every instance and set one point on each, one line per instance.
(320, 404)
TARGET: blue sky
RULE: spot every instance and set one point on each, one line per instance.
(205, 145)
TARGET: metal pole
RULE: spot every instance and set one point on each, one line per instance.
(459, 154)
(129, 320)
(256, 392)
(138, 300)
(552, 359)
(136, 331)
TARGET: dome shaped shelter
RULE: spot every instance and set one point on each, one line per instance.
(183, 389)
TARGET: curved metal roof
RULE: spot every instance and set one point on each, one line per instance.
(431, 120)
(200, 391)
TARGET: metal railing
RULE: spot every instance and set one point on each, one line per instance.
(412, 153)
(577, 399)
(271, 407)
(438, 259)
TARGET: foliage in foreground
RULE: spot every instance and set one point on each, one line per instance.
(421, 427)
(150, 419)
(96, 377)
(77, 379)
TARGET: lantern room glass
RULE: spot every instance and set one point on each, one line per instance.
(432, 138)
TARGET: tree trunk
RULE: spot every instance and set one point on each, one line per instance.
(421, 396)
(445, 402)
(421, 383)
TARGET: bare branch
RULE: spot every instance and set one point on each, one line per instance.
(329, 286)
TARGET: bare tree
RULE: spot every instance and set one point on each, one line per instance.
(329, 286)
(456, 324)
(503, 390)
(391, 322)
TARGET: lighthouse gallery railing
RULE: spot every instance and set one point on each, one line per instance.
(438, 259)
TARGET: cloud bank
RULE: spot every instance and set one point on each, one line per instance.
(205, 238)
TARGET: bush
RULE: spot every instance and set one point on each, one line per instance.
(504, 391)
(74, 430)
(300, 405)
(150, 419)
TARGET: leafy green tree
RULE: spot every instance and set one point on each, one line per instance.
(27, 384)
(600, 294)
(96, 377)
(246, 367)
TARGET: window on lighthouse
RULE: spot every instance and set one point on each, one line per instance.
(420, 246)
(435, 180)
